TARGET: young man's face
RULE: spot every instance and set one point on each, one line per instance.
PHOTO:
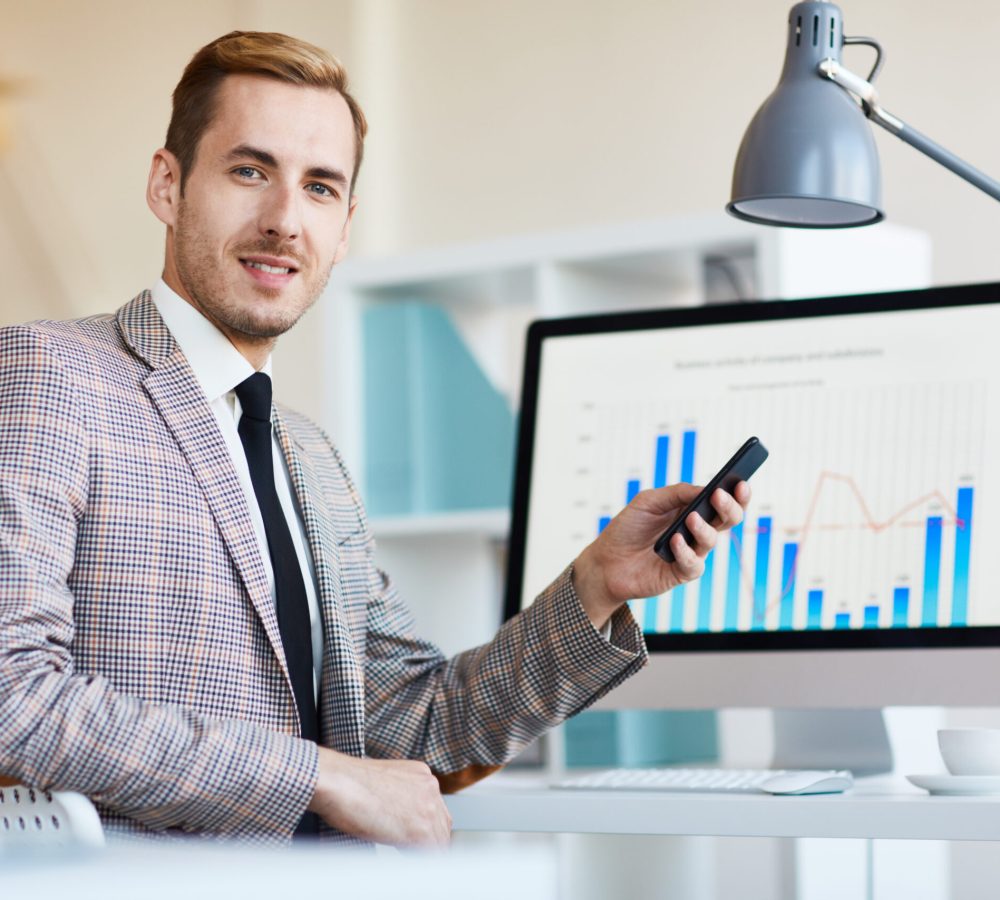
(266, 208)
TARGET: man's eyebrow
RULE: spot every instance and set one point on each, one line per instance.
(325, 174)
(245, 151)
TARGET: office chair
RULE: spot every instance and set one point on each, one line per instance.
(32, 818)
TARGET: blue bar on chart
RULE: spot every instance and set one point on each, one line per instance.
(786, 609)
(677, 608)
(900, 607)
(963, 544)
(731, 619)
(842, 620)
(705, 594)
(760, 573)
(632, 490)
(677, 595)
(649, 613)
(814, 611)
(662, 456)
(932, 571)
(659, 480)
(871, 617)
(603, 523)
(687, 455)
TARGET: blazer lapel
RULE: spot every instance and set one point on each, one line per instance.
(179, 398)
(342, 685)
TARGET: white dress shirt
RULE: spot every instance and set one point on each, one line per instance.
(219, 367)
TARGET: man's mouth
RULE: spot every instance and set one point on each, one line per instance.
(264, 267)
(270, 271)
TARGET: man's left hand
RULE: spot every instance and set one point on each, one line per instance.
(621, 565)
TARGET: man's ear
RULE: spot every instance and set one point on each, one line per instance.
(345, 233)
(163, 190)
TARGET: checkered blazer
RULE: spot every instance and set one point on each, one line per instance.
(140, 659)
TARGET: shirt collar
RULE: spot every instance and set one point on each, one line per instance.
(217, 365)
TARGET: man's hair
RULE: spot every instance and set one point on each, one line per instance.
(269, 54)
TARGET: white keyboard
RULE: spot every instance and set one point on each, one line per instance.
(726, 781)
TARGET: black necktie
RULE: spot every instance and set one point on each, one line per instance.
(290, 589)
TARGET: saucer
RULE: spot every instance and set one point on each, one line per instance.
(957, 785)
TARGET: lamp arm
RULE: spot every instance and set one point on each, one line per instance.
(868, 95)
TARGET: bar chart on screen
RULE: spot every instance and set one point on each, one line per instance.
(868, 514)
(843, 533)
(838, 536)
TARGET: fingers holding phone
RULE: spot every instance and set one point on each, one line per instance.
(715, 507)
(618, 566)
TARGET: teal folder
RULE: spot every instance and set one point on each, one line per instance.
(633, 738)
(438, 435)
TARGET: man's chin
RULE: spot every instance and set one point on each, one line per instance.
(262, 329)
(268, 332)
(262, 317)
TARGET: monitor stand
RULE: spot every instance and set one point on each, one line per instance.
(854, 739)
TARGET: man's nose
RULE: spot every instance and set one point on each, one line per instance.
(280, 215)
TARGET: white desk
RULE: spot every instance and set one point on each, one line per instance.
(874, 808)
(195, 869)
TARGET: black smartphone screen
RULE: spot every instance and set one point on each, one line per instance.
(744, 463)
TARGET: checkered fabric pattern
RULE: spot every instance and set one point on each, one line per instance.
(140, 659)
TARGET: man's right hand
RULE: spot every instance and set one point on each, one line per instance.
(382, 800)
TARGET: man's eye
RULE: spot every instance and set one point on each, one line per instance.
(246, 172)
(321, 190)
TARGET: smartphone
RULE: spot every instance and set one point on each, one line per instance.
(744, 463)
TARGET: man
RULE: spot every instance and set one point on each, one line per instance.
(192, 629)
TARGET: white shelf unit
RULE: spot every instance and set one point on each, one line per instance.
(450, 565)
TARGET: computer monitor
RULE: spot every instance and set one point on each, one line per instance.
(862, 576)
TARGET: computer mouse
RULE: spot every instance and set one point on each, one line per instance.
(809, 782)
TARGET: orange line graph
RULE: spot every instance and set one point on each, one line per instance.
(869, 523)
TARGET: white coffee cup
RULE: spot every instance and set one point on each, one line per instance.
(970, 751)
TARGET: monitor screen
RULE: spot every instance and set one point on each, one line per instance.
(871, 521)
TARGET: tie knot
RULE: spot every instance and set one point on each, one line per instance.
(255, 397)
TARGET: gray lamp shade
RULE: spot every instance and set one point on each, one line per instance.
(808, 159)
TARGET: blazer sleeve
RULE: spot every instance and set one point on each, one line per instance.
(161, 765)
(467, 716)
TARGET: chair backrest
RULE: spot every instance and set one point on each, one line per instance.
(33, 818)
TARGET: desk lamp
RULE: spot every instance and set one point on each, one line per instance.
(808, 158)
